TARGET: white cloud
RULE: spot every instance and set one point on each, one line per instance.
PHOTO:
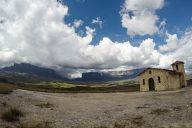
(171, 45)
(34, 32)
(77, 23)
(134, 5)
(108, 54)
(139, 18)
(177, 49)
(98, 21)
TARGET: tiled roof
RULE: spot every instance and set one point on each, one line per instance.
(177, 62)
(170, 71)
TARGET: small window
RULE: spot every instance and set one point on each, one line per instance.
(159, 79)
(150, 72)
(143, 81)
(177, 67)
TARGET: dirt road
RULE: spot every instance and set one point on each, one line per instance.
(102, 110)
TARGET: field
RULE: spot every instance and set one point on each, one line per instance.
(6, 88)
(168, 109)
(64, 87)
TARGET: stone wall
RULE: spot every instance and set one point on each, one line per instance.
(153, 73)
(168, 81)
(173, 82)
(181, 69)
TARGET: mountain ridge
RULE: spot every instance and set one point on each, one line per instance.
(50, 74)
(29, 69)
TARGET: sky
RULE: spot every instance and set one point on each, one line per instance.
(75, 36)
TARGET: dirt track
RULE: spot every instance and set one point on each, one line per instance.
(99, 110)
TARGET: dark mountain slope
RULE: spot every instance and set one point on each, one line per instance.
(29, 69)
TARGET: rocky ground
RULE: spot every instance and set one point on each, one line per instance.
(168, 109)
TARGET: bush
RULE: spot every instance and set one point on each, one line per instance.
(12, 115)
(119, 125)
(4, 104)
(159, 111)
(45, 105)
(138, 121)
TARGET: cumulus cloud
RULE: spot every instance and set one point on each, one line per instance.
(35, 32)
(177, 49)
(139, 18)
(98, 21)
(171, 45)
(109, 54)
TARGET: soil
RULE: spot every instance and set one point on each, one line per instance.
(166, 109)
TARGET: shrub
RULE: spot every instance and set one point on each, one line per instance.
(45, 105)
(119, 125)
(159, 111)
(4, 104)
(138, 121)
(12, 115)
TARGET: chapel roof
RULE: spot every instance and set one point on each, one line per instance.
(167, 70)
(177, 62)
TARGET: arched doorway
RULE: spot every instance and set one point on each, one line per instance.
(151, 84)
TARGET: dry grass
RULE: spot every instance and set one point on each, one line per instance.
(35, 124)
(101, 127)
(182, 126)
(78, 89)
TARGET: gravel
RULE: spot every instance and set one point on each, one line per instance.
(167, 109)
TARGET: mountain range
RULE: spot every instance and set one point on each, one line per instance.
(28, 71)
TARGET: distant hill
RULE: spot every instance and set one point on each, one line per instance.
(30, 73)
(34, 71)
(109, 76)
(25, 72)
